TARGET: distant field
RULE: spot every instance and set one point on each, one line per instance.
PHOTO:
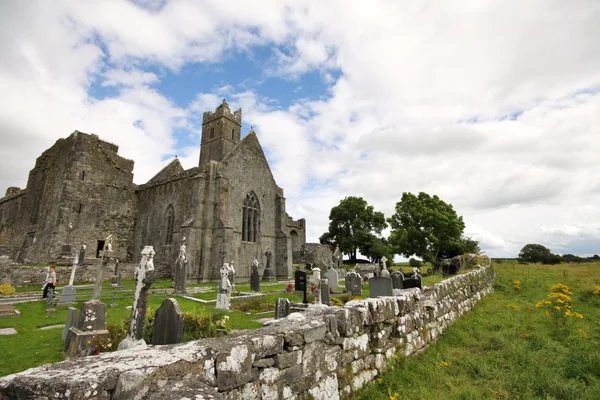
(507, 348)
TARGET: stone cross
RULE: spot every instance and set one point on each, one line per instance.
(106, 252)
(316, 282)
(73, 268)
(337, 256)
(268, 274)
(181, 268)
(384, 271)
(81, 259)
(144, 276)
(225, 288)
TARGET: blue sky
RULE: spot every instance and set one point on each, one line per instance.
(494, 106)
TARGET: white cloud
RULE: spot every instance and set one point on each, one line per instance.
(403, 81)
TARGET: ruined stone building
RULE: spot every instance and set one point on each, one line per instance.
(229, 207)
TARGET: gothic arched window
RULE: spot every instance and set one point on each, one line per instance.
(250, 218)
(170, 223)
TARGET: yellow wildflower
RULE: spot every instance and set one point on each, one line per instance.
(526, 336)
(582, 333)
(379, 380)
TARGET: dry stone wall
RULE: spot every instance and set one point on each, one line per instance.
(324, 353)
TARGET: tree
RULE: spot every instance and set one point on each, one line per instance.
(427, 227)
(534, 253)
(351, 223)
(376, 248)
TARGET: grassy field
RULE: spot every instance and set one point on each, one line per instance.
(507, 348)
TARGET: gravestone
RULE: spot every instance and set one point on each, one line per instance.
(397, 280)
(69, 292)
(81, 258)
(282, 308)
(380, 286)
(451, 266)
(415, 281)
(268, 274)
(316, 284)
(348, 282)
(168, 323)
(355, 284)
(255, 277)
(337, 257)
(181, 269)
(65, 251)
(91, 324)
(106, 252)
(325, 292)
(333, 277)
(144, 276)
(115, 280)
(225, 288)
(72, 316)
(300, 283)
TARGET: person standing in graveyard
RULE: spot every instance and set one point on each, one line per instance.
(50, 282)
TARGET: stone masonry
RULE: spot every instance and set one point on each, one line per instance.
(229, 207)
(324, 353)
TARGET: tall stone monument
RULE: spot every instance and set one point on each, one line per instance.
(255, 277)
(69, 291)
(268, 274)
(91, 322)
(225, 288)
(106, 252)
(181, 269)
(316, 283)
(144, 276)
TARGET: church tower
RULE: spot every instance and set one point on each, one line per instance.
(221, 131)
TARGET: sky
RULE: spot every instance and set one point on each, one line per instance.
(492, 105)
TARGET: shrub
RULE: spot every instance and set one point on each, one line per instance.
(414, 263)
(6, 289)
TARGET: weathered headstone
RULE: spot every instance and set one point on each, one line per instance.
(300, 283)
(397, 280)
(72, 316)
(81, 258)
(380, 286)
(106, 252)
(268, 274)
(282, 308)
(316, 284)
(255, 277)
(414, 281)
(181, 269)
(354, 283)
(144, 276)
(68, 294)
(91, 324)
(65, 251)
(115, 280)
(325, 292)
(333, 277)
(168, 323)
(225, 288)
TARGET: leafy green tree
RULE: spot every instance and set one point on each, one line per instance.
(351, 223)
(427, 227)
(534, 253)
(376, 248)
(414, 263)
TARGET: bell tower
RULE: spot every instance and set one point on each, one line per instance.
(221, 131)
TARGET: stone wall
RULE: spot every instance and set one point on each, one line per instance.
(324, 353)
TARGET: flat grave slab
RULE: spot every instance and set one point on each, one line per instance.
(8, 331)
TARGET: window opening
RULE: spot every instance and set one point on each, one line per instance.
(250, 219)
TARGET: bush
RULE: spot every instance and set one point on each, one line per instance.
(6, 289)
(414, 263)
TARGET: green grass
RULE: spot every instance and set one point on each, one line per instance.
(506, 348)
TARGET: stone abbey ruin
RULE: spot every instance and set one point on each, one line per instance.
(229, 208)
